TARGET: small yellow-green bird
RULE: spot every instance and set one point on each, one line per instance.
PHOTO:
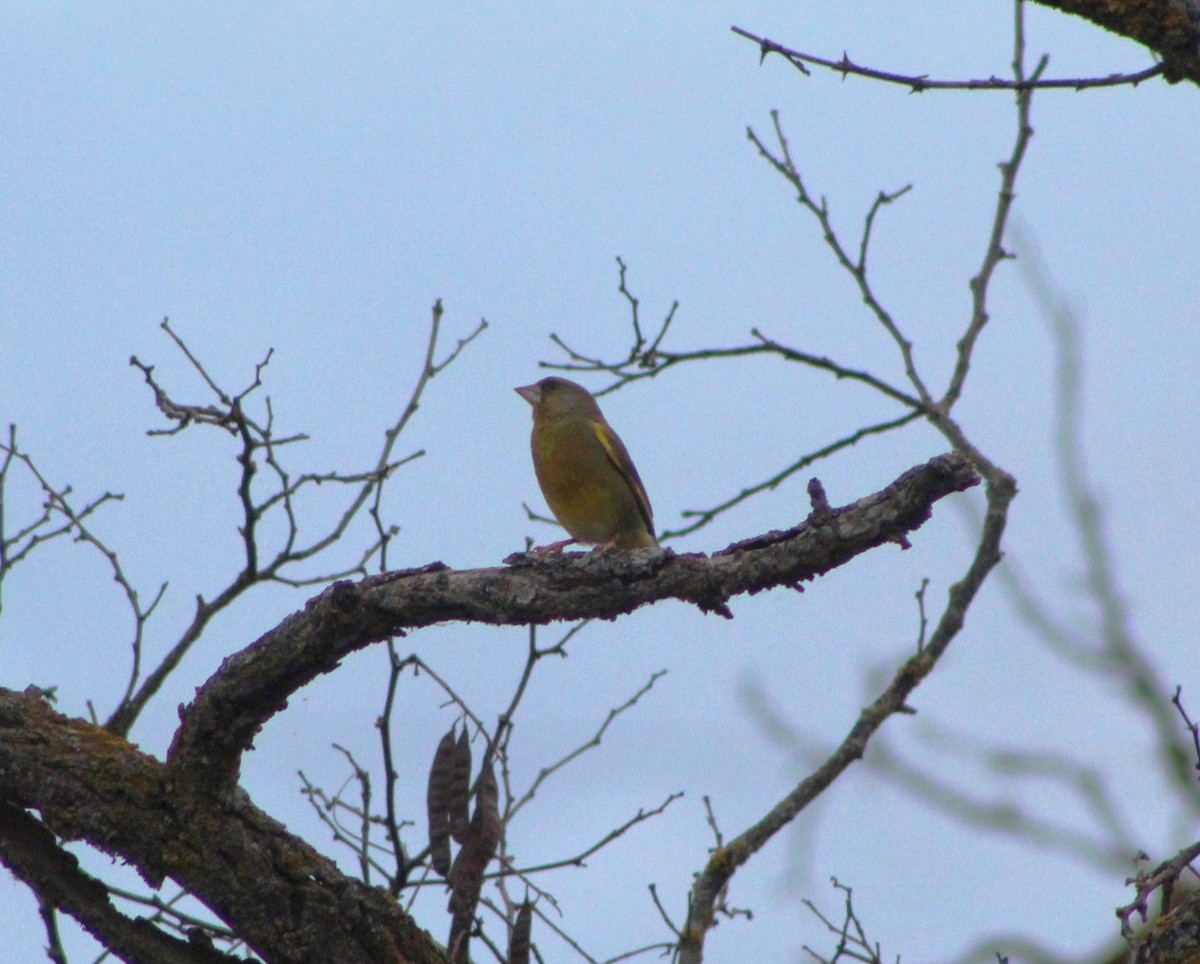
(584, 470)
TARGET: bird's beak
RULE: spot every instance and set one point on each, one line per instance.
(531, 393)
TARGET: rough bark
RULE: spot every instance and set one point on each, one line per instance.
(1174, 938)
(288, 902)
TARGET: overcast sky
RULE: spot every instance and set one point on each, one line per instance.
(310, 178)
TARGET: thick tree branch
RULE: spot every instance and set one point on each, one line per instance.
(30, 851)
(287, 901)
(253, 685)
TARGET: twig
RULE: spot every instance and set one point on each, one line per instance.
(579, 859)
(1164, 876)
(704, 516)
(1001, 489)
(1193, 726)
(403, 867)
(921, 82)
(852, 937)
(16, 547)
(259, 442)
(994, 252)
(546, 772)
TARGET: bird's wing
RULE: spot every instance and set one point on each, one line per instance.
(614, 448)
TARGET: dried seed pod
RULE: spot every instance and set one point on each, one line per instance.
(485, 822)
(482, 838)
(483, 834)
(458, 946)
(437, 803)
(466, 875)
(518, 940)
(460, 788)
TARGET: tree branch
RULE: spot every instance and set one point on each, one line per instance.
(30, 851)
(919, 83)
(253, 685)
(1175, 936)
(726, 861)
(287, 901)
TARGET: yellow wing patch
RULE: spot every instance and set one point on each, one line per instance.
(619, 458)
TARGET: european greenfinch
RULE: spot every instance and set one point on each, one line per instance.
(584, 470)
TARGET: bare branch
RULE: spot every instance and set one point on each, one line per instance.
(579, 859)
(390, 776)
(919, 83)
(1193, 727)
(704, 516)
(1163, 876)
(30, 851)
(258, 442)
(548, 771)
(852, 944)
(286, 900)
(1170, 28)
(166, 912)
(725, 862)
(256, 683)
(994, 253)
(856, 268)
(1106, 848)
(56, 504)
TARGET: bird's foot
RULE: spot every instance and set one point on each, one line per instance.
(554, 547)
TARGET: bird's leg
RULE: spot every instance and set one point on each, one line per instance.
(555, 546)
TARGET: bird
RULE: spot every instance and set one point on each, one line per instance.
(584, 470)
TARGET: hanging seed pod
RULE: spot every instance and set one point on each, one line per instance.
(437, 803)
(518, 940)
(482, 837)
(458, 945)
(485, 823)
(466, 875)
(460, 789)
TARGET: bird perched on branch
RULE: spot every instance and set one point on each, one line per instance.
(584, 470)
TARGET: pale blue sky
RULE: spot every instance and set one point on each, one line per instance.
(312, 177)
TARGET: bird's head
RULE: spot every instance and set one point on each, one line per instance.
(558, 397)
